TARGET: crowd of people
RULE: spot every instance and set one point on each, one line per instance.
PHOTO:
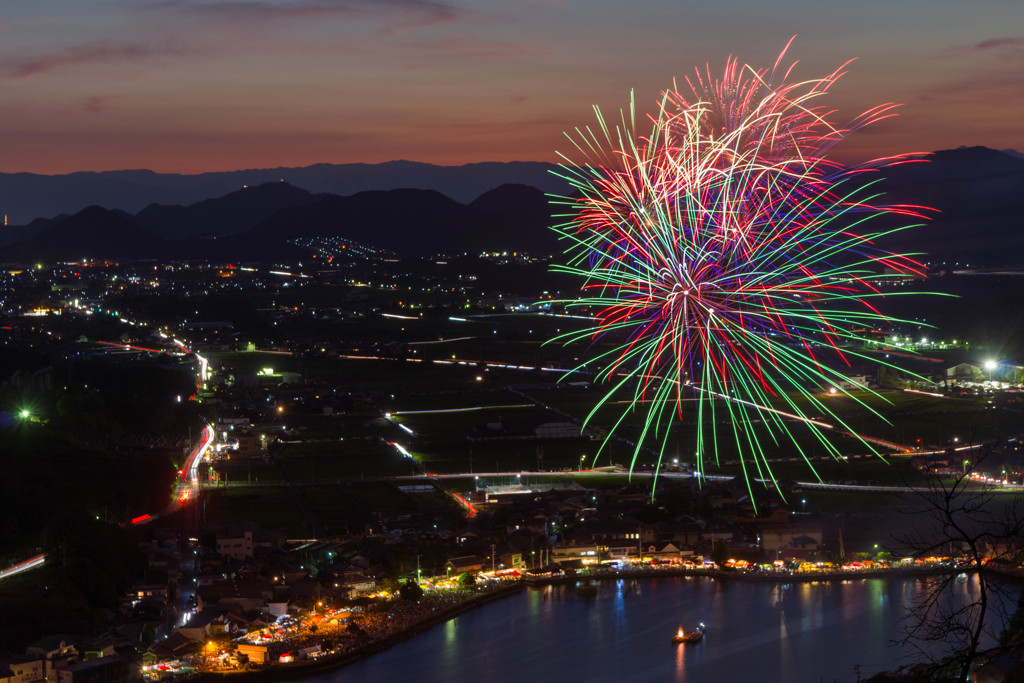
(314, 636)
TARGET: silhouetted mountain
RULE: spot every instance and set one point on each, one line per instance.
(523, 211)
(26, 195)
(93, 232)
(979, 194)
(411, 222)
(257, 223)
(509, 197)
(14, 234)
(234, 212)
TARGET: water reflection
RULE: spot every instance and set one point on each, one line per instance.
(451, 642)
(681, 662)
(620, 605)
(780, 632)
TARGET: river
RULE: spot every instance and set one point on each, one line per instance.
(761, 632)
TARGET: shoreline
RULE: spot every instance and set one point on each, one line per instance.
(298, 669)
(743, 575)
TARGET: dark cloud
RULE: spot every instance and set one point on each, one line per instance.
(94, 104)
(993, 43)
(432, 52)
(397, 12)
(995, 78)
(1006, 48)
(103, 52)
(999, 89)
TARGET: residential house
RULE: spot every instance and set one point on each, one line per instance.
(467, 563)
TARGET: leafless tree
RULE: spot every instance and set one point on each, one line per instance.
(957, 618)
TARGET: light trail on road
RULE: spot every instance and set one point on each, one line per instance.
(24, 566)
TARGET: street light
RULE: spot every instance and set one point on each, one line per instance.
(990, 365)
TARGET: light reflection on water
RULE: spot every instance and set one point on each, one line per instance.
(756, 631)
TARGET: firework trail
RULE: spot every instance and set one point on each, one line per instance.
(727, 261)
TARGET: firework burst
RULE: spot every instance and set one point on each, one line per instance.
(727, 263)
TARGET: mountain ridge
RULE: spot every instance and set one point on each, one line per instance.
(26, 196)
(978, 192)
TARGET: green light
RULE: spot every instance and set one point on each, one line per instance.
(25, 413)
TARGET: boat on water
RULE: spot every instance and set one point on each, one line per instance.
(586, 590)
(693, 636)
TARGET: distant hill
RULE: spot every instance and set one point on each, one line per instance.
(979, 194)
(234, 212)
(411, 222)
(257, 223)
(520, 209)
(25, 196)
(408, 221)
(93, 232)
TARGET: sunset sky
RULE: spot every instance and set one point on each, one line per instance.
(201, 85)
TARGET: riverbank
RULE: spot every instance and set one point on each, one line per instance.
(295, 670)
(795, 632)
(291, 671)
(740, 574)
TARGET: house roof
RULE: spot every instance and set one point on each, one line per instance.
(173, 645)
(98, 663)
(54, 642)
(465, 561)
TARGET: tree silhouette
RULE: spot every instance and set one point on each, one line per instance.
(410, 590)
(963, 609)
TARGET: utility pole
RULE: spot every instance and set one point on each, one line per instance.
(417, 569)
(492, 558)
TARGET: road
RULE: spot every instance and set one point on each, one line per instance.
(524, 477)
(188, 480)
